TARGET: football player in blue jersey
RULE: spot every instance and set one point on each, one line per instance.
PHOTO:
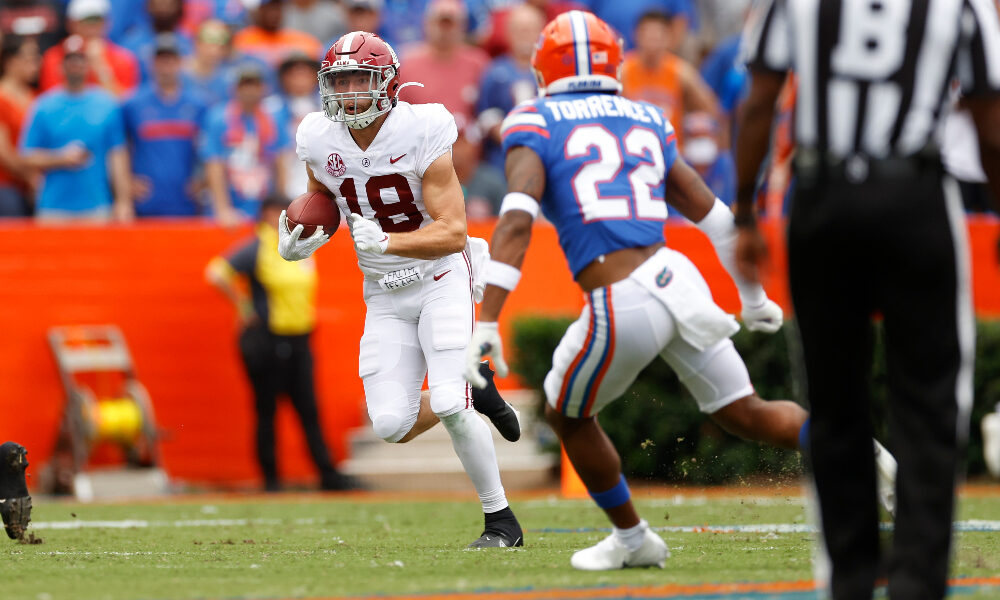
(602, 169)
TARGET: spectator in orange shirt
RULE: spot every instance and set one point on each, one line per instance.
(19, 61)
(110, 66)
(268, 41)
(449, 68)
(654, 74)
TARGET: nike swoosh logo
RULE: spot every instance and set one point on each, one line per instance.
(392, 160)
(436, 277)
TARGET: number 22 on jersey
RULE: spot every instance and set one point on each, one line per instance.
(640, 144)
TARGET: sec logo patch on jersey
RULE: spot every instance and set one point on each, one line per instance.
(335, 165)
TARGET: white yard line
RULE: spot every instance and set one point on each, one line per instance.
(143, 524)
(973, 525)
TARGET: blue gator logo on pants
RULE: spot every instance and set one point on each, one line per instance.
(665, 277)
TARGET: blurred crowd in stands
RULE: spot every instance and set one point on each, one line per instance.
(161, 108)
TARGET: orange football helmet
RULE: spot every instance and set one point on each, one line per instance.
(578, 52)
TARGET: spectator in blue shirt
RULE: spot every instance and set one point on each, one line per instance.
(298, 97)
(214, 64)
(125, 16)
(624, 16)
(240, 147)
(509, 80)
(164, 17)
(723, 71)
(162, 121)
(76, 137)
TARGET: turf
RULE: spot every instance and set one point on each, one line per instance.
(328, 546)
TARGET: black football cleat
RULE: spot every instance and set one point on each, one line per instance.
(340, 482)
(488, 402)
(502, 531)
(15, 503)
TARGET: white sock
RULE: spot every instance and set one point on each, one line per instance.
(473, 443)
(632, 537)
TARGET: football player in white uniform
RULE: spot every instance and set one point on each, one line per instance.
(388, 164)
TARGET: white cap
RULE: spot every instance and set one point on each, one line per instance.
(81, 9)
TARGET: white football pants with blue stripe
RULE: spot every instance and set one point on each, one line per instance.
(622, 328)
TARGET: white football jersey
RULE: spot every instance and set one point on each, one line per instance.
(382, 183)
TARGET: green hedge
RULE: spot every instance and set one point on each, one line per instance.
(661, 435)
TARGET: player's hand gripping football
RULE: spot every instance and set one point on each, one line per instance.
(290, 247)
(766, 317)
(485, 342)
(367, 235)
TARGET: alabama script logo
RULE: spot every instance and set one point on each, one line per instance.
(335, 165)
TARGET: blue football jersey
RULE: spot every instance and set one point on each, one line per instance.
(606, 160)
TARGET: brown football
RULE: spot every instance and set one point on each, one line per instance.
(312, 209)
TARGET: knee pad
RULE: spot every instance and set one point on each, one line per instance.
(448, 399)
(391, 410)
(389, 427)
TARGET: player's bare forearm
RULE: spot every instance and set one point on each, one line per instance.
(446, 205)
(986, 115)
(446, 235)
(314, 185)
(509, 245)
(755, 133)
(525, 175)
(687, 192)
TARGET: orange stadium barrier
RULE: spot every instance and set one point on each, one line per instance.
(148, 279)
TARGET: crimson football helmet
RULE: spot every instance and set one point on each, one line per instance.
(358, 53)
(578, 52)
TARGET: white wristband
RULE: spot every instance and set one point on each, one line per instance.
(720, 227)
(519, 201)
(502, 275)
(718, 221)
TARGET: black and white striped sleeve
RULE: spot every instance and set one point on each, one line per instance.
(978, 60)
(766, 42)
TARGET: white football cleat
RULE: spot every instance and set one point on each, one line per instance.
(885, 471)
(610, 554)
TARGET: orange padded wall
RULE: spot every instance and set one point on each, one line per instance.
(148, 279)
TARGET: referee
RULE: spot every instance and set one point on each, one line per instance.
(876, 227)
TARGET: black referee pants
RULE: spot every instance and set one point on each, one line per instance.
(884, 247)
(284, 365)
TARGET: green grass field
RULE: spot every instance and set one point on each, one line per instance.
(330, 546)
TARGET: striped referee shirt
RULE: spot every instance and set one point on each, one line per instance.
(872, 75)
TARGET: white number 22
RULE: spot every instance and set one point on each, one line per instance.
(607, 165)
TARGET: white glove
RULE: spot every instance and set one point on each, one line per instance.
(290, 247)
(485, 342)
(766, 317)
(368, 236)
